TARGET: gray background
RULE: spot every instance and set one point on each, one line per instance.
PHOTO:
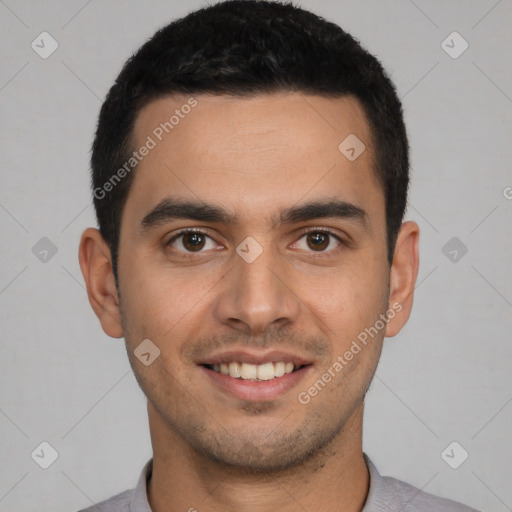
(445, 378)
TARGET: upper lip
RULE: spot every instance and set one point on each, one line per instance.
(257, 358)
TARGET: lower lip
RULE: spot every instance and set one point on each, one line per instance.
(256, 391)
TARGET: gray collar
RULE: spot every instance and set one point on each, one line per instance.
(384, 494)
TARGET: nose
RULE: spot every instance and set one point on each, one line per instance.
(258, 296)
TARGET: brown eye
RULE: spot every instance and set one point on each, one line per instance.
(318, 241)
(190, 241)
(193, 241)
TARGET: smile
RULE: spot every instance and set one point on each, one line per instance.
(254, 372)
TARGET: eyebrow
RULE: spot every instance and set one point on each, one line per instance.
(169, 209)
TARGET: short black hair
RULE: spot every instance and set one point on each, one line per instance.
(243, 48)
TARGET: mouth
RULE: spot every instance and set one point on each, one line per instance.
(254, 372)
(253, 377)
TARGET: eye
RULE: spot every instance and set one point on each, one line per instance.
(319, 240)
(191, 241)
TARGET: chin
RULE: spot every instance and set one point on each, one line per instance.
(267, 453)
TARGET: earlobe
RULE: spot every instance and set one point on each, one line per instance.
(404, 271)
(96, 265)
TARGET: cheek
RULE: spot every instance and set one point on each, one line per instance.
(157, 302)
(348, 299)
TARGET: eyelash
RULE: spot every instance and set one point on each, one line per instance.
(305, 231)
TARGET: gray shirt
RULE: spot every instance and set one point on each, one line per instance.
(386, 494)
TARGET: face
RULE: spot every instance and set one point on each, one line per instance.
(250, 244)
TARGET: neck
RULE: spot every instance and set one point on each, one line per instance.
(335, 479)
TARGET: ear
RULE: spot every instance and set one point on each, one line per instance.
(404, 271)
(96, 264)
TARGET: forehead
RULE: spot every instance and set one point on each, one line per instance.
(252, 152)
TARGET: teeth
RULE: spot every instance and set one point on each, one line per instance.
(266, 371)
(234, 370)
(249, 371)
(279, 369)
(246, 371)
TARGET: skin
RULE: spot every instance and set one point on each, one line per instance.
(254, 157)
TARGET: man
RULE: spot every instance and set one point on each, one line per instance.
(250, 174)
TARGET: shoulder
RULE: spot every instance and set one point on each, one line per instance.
(413, 499)
(130, 500)
(118, 503)
(387, 494)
